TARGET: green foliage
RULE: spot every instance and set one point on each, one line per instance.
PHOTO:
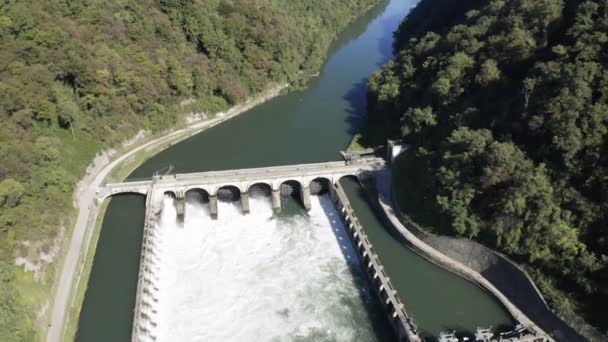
(505, 105)
(416, 119)
(10, 192)
(79, 76)
(15, 325)
(488, 73)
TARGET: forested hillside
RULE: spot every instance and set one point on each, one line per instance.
(505, 107)
(78, 76)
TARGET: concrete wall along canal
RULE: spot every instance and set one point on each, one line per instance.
(372, 267)
(145, 311)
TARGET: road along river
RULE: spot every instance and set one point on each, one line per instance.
(304, 263)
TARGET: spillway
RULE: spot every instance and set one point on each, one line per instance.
(261, 277)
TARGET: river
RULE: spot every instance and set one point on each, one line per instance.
(311, 125)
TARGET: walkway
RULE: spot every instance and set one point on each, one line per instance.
(242, 179)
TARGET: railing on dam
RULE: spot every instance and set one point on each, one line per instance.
(272, 175)
(399, 319)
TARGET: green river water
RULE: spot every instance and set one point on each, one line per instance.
(306, 126)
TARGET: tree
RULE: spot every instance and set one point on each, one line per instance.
(67, 109)
(179, 80)
(414, 120)
(10, 192)
(47, 148)
(489, 73)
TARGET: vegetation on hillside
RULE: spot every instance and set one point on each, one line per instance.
(505, 107)
(78, 76)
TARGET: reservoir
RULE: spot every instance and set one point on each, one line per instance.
(306, 126)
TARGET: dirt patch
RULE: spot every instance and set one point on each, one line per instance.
(33, 256)
(141, 135)
(195, 117)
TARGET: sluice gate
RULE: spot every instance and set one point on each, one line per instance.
(180, 203)
(145, 315)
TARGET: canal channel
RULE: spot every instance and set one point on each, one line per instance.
(311, 125)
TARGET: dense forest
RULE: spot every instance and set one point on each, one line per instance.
(504, 106)
(79, 76)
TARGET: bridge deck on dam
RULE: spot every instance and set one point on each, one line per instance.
(274, 177)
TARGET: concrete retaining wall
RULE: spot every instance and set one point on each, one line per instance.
(493, 272)
(144, 315)
(507, 277)
(395, 310)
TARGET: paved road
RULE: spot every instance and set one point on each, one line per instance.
(87, 207)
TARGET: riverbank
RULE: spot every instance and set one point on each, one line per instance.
(480, 170)
(88, 209)
(79, 287)
(383, 186)
(72, 96)
(511, 279)
(518, 280)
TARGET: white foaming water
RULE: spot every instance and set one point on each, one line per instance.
(258, 277)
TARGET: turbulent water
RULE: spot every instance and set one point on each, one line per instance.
(259, 277)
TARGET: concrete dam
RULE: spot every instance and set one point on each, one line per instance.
(300, 181)
(305, 179)
(209, 188)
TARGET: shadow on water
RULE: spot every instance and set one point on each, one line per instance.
(386, 41)
(356, 97)
(359, 26)
(374, 312)
(357, 106)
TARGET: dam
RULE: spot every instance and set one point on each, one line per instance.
(238, 184)
(170, 198)
(308, 179)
